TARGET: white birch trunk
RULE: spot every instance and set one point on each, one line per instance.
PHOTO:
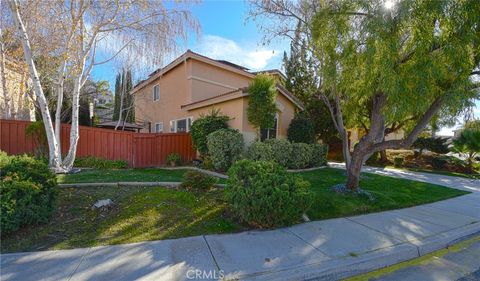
(3, 76)
(54, 151)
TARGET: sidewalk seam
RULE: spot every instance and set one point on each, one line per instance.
(79, 263)
(303, 240)
(211, 253)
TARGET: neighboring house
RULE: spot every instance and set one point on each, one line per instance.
(16, 101)
(356, 134)
(192, 85)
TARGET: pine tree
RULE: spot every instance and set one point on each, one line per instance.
(116, 107)
(302, 82)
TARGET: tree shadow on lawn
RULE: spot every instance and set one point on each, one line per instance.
(139, 214)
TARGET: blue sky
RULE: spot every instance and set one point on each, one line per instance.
(227, 34)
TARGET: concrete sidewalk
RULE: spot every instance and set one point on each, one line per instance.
(324, 250)
(472, 185)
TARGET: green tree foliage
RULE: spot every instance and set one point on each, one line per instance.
(302, 82)
(206, 125)
(261, 102)
(468, 144)
(301, 129)
(473, 124)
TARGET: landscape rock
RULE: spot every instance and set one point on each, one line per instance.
(102, 204)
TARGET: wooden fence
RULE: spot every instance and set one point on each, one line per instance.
(138, 149)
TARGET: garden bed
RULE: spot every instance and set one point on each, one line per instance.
(153, 213)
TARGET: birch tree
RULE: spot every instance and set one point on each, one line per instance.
(73, 32)
(401, 64)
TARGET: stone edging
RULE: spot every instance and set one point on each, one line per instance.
(125, 184)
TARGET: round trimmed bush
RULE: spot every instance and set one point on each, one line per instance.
(27, 193)
(198, 180)
(281, 151)
(301, 129)
(301, 156)
(224, 148)
(263, 194)
(319, 155)
(260, 151)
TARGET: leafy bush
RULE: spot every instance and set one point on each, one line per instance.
(319, 155)
(398, 161)
(100, 163)
(4, 159)
(437, 145)
(263, 194)
(260, 151)
(301, 129)
(224, 148)
(468, 144)
(28, 193)
(281, 151)
(301, 156)
(439, 162)
(206, 125)
(174, 158)
(36, 130)
(198, 180)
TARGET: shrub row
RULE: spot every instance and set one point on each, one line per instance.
(289, 155)
(28, 192)
(100, 163)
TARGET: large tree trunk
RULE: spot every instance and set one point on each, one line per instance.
(74, 132)
(54, 154)
(3, 76)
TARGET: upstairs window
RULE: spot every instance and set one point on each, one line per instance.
(156, 93)
(269, 133)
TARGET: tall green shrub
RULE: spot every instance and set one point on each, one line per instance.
(206, 125)
(301, 129)
(261, 101)
(263, 194)
(224, 148)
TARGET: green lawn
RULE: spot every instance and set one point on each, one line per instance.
(125, 175)
(445, 173)
(139, 214)
(153, 213)
(390, 193)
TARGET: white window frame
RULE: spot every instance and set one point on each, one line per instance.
(161, 130)
(173, 124)
(153, 92)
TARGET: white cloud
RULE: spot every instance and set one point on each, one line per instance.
(247, 55)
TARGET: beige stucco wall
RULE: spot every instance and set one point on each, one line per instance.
(193, 80)
(174, 92)
(209, 80)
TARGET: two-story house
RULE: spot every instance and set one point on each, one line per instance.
(192, 85)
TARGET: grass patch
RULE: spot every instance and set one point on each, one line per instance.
(445, 173)
(153, 213)
(125, 175)
(139, 214)
(390, 193)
